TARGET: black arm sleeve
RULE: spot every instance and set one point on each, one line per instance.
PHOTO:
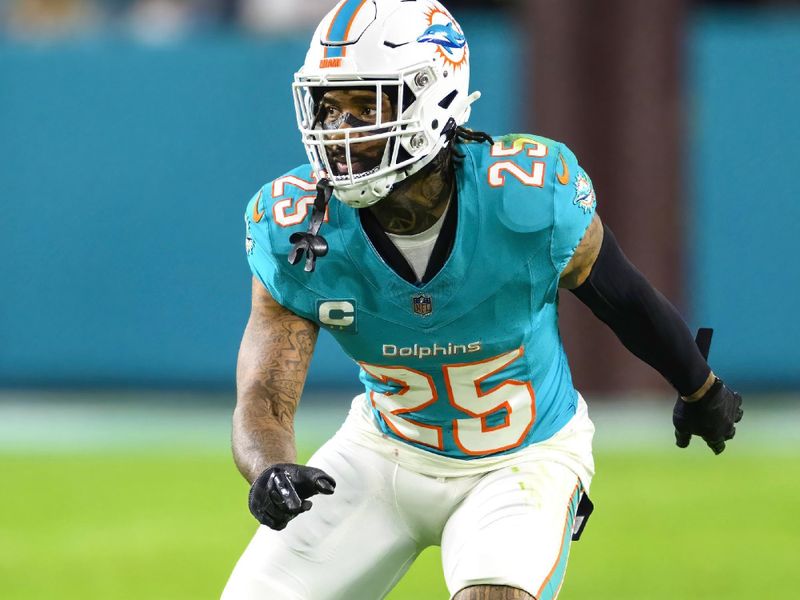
(642, 318)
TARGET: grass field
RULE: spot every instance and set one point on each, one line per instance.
(168, 521)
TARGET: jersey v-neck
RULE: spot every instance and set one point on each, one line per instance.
(395, 259)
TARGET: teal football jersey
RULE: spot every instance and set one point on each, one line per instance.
(469, 364)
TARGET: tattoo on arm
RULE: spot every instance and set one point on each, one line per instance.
(273, 360)
(581, 263)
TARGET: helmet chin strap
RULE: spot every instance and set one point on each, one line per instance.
(368, 193)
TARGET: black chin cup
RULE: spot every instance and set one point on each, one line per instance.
(310, 243)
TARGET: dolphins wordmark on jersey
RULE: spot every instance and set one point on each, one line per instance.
(470, 363)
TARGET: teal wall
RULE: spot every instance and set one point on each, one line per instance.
(743, 157)
(124, 173)
(124, 170)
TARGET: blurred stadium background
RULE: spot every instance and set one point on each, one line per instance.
(132, 134)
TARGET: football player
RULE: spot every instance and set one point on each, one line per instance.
(434, 254)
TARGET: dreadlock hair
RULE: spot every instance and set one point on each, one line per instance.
(458, 134)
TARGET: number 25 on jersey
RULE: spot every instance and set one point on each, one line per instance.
(289, 211)
(499, 169)
(514, 401)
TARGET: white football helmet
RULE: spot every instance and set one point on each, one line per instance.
(411, 51)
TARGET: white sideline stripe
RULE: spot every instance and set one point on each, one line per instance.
(45, 422)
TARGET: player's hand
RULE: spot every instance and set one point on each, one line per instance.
(281, 493)
(712, 417)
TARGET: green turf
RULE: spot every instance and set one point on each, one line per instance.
(170, 525)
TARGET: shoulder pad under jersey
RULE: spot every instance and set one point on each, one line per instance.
(536, 184)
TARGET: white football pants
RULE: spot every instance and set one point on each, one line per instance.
(509, 524)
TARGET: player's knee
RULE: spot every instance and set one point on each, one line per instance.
(492, 592)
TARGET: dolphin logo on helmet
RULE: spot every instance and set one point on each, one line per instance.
(444, 36)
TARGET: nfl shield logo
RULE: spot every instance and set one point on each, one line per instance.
(422, 305)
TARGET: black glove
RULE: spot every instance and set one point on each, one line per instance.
(712, 417)
(281, 493)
